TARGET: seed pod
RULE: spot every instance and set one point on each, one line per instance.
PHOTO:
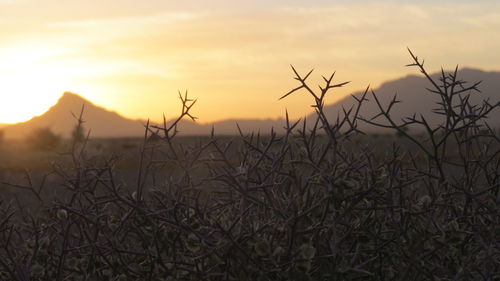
(62, 214)
(192, 243)
(278, 251)
(261, 248)
(304, 266)
(307, 251)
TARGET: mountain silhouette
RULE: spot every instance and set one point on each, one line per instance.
(416, 99)
(410, 90)
(103, 123)
(59, 118)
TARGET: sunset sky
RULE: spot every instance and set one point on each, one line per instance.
(234, 56)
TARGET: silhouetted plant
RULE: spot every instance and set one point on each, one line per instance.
(43, 139)
(78, 134)
(309, 204)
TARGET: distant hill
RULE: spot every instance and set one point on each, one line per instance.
(410, 90)
(59, 119)
(414, 97)
(104, 123)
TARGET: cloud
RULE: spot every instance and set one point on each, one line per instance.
(142, 21)
(202, 45)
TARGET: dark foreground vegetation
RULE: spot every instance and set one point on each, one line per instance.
(320, 202)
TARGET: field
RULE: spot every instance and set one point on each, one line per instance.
(22, 164)
(324, 202)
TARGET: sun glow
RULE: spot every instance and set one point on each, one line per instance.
(233, 56)
(29, 92)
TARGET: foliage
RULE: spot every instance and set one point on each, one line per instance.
(43, 139)
(300, 206)
(78, 134)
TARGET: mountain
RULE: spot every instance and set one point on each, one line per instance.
(411, 91)
(414, 97)
(103, 123)
(60, 120)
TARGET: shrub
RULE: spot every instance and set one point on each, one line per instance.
(305, 205)
(43, 139)
(78, 134)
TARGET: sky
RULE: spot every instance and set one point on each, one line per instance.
(233, 56)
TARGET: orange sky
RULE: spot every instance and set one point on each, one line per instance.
(234, 56)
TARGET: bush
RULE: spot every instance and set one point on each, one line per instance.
(78, 134)
(305, 205)
(43, 139)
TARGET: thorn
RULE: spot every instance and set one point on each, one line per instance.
(308, 74)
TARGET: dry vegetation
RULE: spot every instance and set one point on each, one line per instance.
(313, 204)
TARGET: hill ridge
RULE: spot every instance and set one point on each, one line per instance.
(106, 123)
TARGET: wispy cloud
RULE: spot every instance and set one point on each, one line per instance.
(141, 21)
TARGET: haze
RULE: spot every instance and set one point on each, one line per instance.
(234, 56)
